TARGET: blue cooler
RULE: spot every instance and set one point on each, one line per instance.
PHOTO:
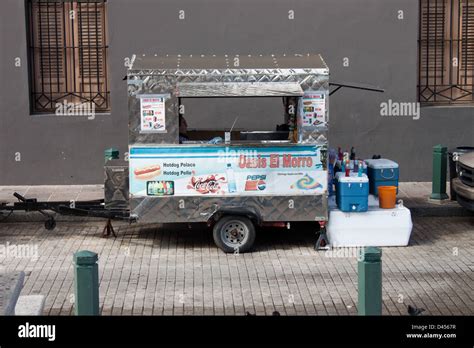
(382, 172)
(352, 192)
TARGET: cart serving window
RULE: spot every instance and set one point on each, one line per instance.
(230, 176)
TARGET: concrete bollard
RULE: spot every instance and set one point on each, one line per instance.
(440, 159)
(369, 270)
(86, 283)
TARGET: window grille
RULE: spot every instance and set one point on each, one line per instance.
(68, 54)
(446, 52)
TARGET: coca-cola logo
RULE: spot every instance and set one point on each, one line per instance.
(209, 184)
(203, 185)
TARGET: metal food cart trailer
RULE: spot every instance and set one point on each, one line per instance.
(249, 178)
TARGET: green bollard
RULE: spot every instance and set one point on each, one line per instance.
(110, 154)
(369, 270)
(440, 160)
(86, 283)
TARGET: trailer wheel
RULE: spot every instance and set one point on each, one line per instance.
(234, 234)
(50, 224)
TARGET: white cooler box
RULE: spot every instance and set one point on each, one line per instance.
(375, 227)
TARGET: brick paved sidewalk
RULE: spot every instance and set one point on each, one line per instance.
(175, 271)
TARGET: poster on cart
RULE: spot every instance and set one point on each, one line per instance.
(313, 109)
(226, 171)
(152, 113)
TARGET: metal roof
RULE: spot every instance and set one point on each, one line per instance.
(224, 62)
(239, 89)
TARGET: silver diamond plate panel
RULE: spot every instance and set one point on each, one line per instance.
(200, 209)
(153, 85)
(164, 81)
(241, 89)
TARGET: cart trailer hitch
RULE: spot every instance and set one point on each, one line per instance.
(50, 223)
(95, 208)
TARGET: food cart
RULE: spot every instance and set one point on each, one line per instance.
(239, 180)
(249, 178)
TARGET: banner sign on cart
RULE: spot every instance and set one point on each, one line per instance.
(152, 113)
(226, 171)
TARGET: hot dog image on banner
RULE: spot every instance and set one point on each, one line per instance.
(226, 171)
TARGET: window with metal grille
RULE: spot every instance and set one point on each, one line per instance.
(446, 52)
(68, 54)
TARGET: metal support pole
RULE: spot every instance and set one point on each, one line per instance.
(370, 281)
(439, 173)
(86, 283)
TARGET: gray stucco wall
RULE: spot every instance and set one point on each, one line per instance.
(382, 50)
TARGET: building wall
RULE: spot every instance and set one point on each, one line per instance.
(382, 50)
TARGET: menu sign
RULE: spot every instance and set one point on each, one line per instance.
(152, 113)
(313, 109)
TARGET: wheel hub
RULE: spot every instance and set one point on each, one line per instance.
(234, 233)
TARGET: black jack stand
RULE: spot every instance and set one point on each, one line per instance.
(108, 229)
(322, 243)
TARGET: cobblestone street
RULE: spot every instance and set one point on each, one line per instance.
(175, 270)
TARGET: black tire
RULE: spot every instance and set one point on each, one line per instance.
(234, 234)
(50, 224)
